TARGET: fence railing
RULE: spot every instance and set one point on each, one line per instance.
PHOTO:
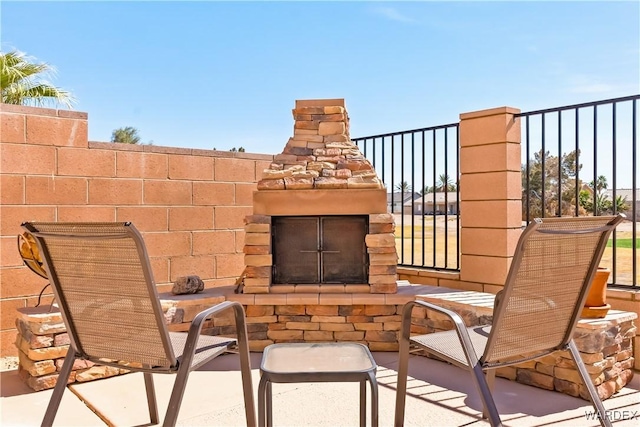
(581, 160)
(577, 160)
(420, 168)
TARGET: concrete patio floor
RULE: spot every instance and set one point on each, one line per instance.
(438, 395)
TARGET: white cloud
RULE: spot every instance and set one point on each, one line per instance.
(592, 88)
(392, 14)
(583, 84)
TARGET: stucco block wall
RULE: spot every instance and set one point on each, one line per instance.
(490, 193)
(188, 203)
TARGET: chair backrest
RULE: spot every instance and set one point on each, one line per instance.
(103, 284)
(547, 285)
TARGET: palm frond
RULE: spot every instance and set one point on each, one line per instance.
(23, 82)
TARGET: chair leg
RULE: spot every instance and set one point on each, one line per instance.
(586, 379)
(488, 404)
(490, 376)
(151, 397)
(245, 365)
(58, 391)
(176, 395)
(401, 388)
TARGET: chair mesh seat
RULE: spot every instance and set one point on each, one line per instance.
(207, 347)
(447, 346)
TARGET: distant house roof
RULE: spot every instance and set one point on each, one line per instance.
(440, 197)
(624, 192)
(402, 196)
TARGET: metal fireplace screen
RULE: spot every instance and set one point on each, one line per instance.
(319, 249)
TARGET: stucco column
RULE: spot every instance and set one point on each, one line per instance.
(490, 194)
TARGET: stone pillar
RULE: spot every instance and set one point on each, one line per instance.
(490, 195)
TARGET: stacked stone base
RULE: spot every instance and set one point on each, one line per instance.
(43, 342)
(376, 326)
(605, 345)
(607, 353)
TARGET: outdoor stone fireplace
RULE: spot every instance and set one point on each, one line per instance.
(320, 221)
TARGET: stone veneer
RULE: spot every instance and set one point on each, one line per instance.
(320, 172)
(43, 342)
(605, 345)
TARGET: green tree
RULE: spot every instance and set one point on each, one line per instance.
(24, 82)
(597, 202)
(620, 204)
(403, 187)
(600, 203)
(559, 187)
(426, 190)
(445, 183)
(600, 184)
(125, 135)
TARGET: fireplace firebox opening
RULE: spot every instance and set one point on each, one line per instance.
(319, 249)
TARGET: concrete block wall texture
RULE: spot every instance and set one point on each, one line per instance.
(188, 203)
(193, 222)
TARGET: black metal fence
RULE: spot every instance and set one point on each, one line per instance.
(576, 160)
(420, 168)
(582, 160)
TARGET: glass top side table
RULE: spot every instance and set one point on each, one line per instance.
(317, 362)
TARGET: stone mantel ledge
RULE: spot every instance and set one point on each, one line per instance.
(613, 318)
(481, 302)
(406, 292)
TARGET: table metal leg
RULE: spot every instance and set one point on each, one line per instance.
(262, 400)
(374, 398)
(269, 405)
(363, 403)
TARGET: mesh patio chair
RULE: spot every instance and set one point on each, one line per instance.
(103, 284)
(534, 315)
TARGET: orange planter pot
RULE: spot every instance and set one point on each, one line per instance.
(596, 305)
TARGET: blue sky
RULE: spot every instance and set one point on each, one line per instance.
(223, 74)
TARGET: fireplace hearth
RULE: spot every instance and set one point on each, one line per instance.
(320, 220)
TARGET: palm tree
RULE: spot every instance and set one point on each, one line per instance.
(403, 187)
(426, 190)
(445, 183)
(125, 135)
(620, 204)
(600, 184)
(23, 82)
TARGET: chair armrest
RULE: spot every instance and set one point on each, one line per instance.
(198, 320)
(458, 323)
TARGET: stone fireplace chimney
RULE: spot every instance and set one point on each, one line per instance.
(320, 221)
